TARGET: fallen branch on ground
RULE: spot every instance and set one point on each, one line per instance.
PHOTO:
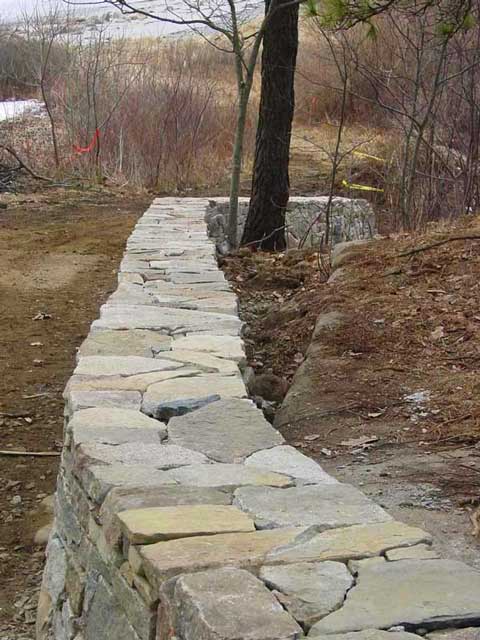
(37, 454)
(22, 165)
(257, 242)
(438, 243)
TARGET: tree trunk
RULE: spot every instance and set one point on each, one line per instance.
(237, 158)
(265, 225)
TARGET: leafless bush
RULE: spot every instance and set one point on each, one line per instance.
(20, 56)
(163, 120)
(319, 80)
(418, 78)
(16, 78)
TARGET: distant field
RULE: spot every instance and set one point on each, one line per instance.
(89, 18)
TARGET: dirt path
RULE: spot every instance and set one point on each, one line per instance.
(58, 262)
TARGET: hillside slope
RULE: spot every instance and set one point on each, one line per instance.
(386, 395)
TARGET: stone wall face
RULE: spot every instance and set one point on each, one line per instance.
(350, 219)
(180, 511)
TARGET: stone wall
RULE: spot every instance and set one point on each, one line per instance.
(350, 219)
(181, 512)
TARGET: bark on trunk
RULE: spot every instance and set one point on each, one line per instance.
(265, 225)
(237, 166)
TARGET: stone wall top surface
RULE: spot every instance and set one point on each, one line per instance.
(182, 513)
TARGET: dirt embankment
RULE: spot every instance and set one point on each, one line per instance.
(388, 398)
(59, 254)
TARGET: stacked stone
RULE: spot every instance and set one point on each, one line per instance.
(305, 220)
(180, 511)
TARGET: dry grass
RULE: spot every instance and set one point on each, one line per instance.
(165, 119)
(314, 145)
(171, 125)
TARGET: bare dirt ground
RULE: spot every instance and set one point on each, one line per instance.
(416, 327)
(388, 400)
(59, 254)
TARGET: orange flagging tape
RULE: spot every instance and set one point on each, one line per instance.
(92, 144)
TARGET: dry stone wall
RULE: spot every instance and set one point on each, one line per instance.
(305, 220)
(180, 511)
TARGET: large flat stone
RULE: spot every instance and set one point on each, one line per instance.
(147, 240)
(122, 499)
(412, 593)
(144, 526)
(326, 323)
(122, 366)
(141, 615)
(198, 278)
(177, 397)
(117, 435)
(111, 557)
(55, 570)
(213, 301)
(343, 252)
(129, 278)
(469, 633)
(79, 399)
(356, 565)
(158, 456)
(164, 560)
(286, 459)
(161, 287)
(203, 361)
(225, 431)
(68, 521)
(227, 476)
(134, 342)
(309, 590)
(418, 552)
(326, 506)
(75, 584)
(70, 497)
(139, 382)
(168, 264)
(166, 320)
(98, 479)
(186, 266)
(98, 417)
(349, 543)
(228, 604)
(144, 244)
(369, 634)
(127, 293)
(192, 291)
(230, 347)
(114, 426)
(52, 589)
(104, 618)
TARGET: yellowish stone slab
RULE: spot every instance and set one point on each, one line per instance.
(164, 560)
(350, 543)
(145, 526)
(138, 382)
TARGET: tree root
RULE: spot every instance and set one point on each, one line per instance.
(22, 165)
(438, 243)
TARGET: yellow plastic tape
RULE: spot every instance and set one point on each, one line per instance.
(360, 187)
(361, 154)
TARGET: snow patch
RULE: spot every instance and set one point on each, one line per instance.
(13, 109)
